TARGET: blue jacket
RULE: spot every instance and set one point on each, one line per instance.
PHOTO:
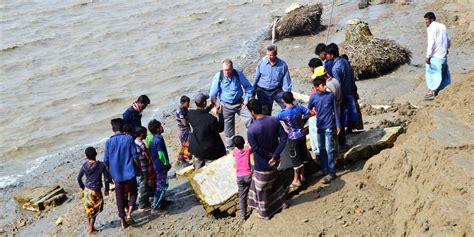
(133, 118)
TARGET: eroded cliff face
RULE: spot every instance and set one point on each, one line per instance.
(430, 170)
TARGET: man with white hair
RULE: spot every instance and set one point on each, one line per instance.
(227, 86)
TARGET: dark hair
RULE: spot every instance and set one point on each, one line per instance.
(318, 81)
(255, 106)
(272, 48)
(184, 99)
(430, 15)
(117, 124)
(288, 97)
(91, 153)
(239, 142)
(320, 48)
(143, 99)
(201, 105)
(153, 126)
(332, 49)
(140, 131)
(127, 128)
(315, 62)
(344, 56)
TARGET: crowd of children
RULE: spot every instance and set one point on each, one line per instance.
(137, 162)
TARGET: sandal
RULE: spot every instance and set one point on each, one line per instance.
(293, 187)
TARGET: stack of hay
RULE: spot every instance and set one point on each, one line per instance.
(369, 56)
(300, 20)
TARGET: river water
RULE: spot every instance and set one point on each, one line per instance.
(68, 67)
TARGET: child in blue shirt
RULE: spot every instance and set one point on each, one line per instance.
(161, 162)
(295, 117)
(323, 104)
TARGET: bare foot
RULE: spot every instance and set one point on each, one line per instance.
(123, 224)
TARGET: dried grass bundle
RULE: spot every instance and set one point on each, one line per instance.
(371, 57)
(305, 20)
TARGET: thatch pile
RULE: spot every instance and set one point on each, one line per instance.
(370, 56)
(304, 20)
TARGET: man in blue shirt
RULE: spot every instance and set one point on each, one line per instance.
(323, 104)
(121, 160)
(271, 80)
(227, 86)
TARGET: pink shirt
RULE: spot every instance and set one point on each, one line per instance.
(242, 161)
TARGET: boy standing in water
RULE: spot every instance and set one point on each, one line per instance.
(244, 173)
(93, 199)
(184, 131)
(120, 156)
(143, 201)
(161, 162)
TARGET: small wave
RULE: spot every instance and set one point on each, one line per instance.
(9, 180)
(9, 48)
(46, 163)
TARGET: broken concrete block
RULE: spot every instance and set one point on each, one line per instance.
(368, 143)
(185, 172)
(215, 185)
(38, 198)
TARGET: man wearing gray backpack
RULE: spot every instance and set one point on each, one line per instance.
(234, 91)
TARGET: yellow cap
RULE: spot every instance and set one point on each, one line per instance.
(319, 71)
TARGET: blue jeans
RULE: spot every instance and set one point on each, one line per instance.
(326, 143)
(266, 97)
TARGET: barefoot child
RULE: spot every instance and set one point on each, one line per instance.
(93, 199)
(143, 200)
(184, 131)
(244, 173)
(161, 162)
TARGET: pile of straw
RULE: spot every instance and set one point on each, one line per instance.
(371, 57)
(305, 20)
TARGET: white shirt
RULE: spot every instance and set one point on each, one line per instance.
(438, 40)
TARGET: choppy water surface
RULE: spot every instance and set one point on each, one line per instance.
(68, 67)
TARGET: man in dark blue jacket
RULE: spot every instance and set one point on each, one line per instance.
(133, 115)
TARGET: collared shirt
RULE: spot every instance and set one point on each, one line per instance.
(119, 152)
(438, 40)
(274, 76)
(293, 118)
(230, 89)
(267, 138)
(342, 72)
(327, 116)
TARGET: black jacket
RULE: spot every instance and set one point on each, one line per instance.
(206, 143)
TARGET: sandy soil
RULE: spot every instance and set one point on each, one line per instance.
(419, 187)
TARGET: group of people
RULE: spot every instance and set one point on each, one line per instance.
(138, 162)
